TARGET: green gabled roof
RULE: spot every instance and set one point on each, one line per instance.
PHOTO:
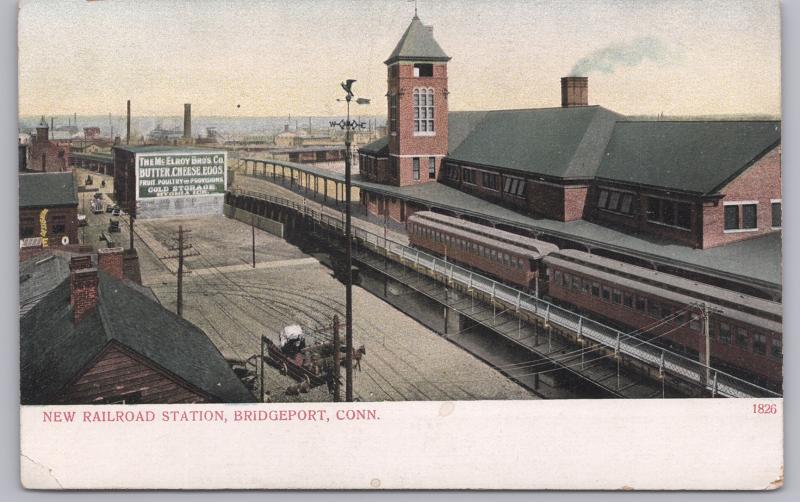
(53, 350)
(379, 147)
(690, 156)
(565, 143)
(417, 44)
(47, 190)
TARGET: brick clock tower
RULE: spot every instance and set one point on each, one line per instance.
(417, 117)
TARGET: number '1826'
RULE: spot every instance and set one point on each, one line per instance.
(765, 409)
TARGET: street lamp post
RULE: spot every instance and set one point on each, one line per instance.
(348, 258)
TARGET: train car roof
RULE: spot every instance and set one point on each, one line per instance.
(542, 247)
(727, 295)
(485, 240)
(667, 294)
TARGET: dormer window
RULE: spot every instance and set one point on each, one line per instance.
(423, 70)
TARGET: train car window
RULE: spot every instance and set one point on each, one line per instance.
(576, 283)
(777, 348)
(616, 296)
(641, 304)
(627, 300)
(494, 254)
(586, 287)
(741, 337)
(565, 280)
(666, 311)
(653, 308)
(712, 328)
(603, 200)
(595, 289)
(557, 276)
(606, 293)
(725, 333)
(759, 344)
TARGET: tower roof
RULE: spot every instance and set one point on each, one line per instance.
(417, 44)
(43, 123)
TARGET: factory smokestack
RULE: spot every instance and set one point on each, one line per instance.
(574, 91)
(187, 120)
(128, 125)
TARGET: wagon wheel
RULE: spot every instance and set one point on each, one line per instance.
(284, 369)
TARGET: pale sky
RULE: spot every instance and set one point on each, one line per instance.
(679, 57)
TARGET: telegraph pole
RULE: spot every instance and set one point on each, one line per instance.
(707, 333)
(262, 368)
(336, 359)
(253, 228)
(181, 247)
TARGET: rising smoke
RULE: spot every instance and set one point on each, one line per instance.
(608, 59)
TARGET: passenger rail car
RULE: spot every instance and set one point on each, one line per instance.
(511, 258)
(746, 333)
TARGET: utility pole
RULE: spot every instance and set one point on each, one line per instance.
(181, 247)
(263, 339)
(336, 359)
(707, 333)
(253, 228)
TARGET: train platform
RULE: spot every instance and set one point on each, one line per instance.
(733, 262)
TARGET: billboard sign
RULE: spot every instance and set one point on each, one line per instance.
(180, 174)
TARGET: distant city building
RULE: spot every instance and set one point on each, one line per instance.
(48, 208)
(91, 133)
(698, 183)
(45, 155)
(79, 346)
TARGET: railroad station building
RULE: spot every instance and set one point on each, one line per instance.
(701, 183)
(98, 338)
(48, 208)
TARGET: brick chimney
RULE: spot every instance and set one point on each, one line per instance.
(110, 261)
(83, 292)
(187, 120)
(574, 91)
(80, 262)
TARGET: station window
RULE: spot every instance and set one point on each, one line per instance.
(759, 344)
(669, 212)
(606, 293)
(514, 186)
(776, 214)
(616, 201)
(415, 167)
(451, 171)
(725, 333)
(423, 111)
(616, 296)
(468, 175)
(741, 337)
(393, 113)
(741, 216)
(423, 70)
(777, 348)
(431, 167)
(27, 227)
(595, 289)
(490, 180)
(641, 303)
(627, 299)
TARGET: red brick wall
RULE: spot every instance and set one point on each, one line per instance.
(404, 143)
(574, 202)
(760, 182)
(110, 261)
(83, 295)
(118, 372)
(31, 218)
(48, 157)
(546, 199)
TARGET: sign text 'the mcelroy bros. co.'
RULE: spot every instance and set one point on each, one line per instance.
(176, 175)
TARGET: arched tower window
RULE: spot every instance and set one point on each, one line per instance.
(423, 111)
